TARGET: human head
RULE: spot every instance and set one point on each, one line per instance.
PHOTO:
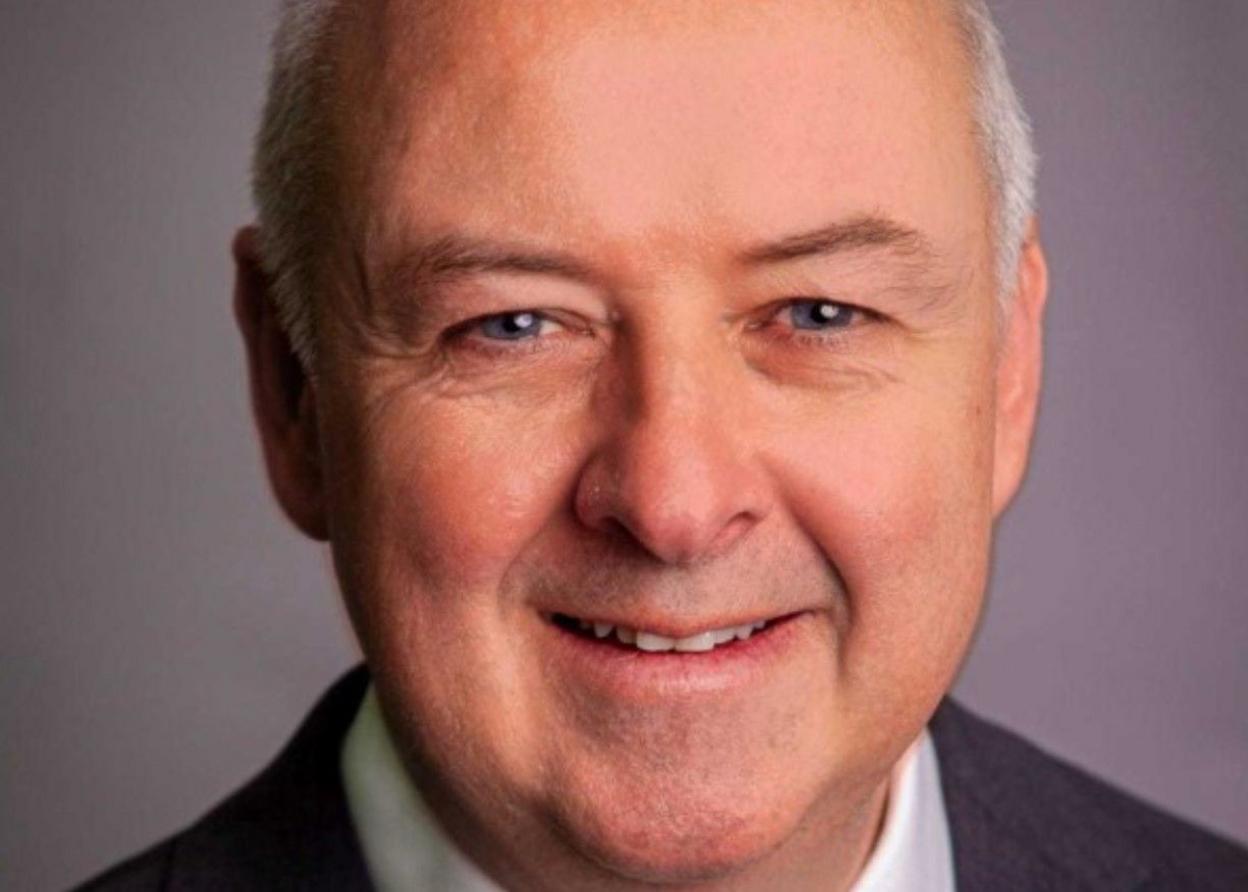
(294, 163)
(618, 333)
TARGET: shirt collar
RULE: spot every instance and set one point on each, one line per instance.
(405, 849)
(914, 851)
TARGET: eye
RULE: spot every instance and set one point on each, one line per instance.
(511, 334)
(817, 314)
(517, 326)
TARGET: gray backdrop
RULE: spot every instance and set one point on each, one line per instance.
(162, 629)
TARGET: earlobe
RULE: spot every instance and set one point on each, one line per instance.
(282, 397)
(1019, 371)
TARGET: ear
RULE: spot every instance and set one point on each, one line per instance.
(1019, 369)
(282, 396)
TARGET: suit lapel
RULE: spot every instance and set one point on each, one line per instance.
(1015, 820)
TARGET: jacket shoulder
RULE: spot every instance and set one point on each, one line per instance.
(289, 828)
(147, 871)
(1005, 794)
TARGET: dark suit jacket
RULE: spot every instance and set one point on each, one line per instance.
(1020, 820)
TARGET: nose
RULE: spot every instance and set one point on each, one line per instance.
(676, 469)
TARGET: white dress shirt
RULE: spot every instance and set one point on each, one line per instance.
(406, 851)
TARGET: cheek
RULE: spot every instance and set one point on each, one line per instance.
(455, 492)
(895, 491)
(437, 502)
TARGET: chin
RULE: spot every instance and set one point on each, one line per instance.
(668, 841)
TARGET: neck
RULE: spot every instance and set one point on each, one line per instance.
(828, 850)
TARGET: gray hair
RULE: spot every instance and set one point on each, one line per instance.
(293, 166)
(1005, 138)
(292, 169)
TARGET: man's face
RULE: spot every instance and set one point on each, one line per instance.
(670, 319)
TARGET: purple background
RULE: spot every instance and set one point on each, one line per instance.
(163, 629)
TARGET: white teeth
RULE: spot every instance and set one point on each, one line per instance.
(696, 643)
(654, 643)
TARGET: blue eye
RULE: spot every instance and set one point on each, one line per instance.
(819, 315)
(511, 326)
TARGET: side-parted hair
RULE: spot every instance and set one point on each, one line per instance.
(293, 169)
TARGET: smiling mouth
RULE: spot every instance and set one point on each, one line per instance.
(629, 638)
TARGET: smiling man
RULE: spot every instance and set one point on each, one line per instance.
(656, 372)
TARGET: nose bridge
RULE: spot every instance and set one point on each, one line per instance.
(672, 376)
(680, 400)
(675, 471)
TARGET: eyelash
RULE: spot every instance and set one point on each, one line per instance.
(461, 334)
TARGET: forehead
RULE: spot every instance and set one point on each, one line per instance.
(667, 124)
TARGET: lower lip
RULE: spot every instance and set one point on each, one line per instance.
(631, 674)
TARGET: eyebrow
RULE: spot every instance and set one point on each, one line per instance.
(856, 234)
(454, 256)
(457, 255)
